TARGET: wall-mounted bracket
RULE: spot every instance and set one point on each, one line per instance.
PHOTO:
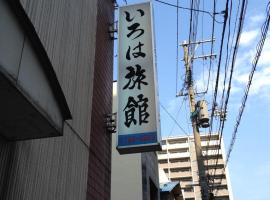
(110, 122)
(112, 30)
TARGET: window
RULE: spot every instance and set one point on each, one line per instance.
(187, 179)
(179, 160)
(188, 189)
(182, 150)
(177, 141)
(162, 161)
(186, 169)
(162, 152)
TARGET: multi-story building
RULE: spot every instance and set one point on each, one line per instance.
(178, 160)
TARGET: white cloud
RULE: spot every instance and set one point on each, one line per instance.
(261, 80)
(257, 18)
(260, 83)
(265, 57)
(247, 37)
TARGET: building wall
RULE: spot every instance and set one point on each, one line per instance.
(99, 168)
(150, 179)
(74, 34)
(133, 175)
(126, 180)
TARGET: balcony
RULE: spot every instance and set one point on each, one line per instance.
(180, 174)
(210, 143)
(186, 184)
(212, 162)
(174, 155)
(175, 146)
(219, 182)
(212, 152)
(174, 165)
(179, 164)
(217, 171)
(163, 165)
(189, 195)
(221, 192)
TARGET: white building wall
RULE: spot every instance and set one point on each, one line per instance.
(126, 176)
(126, 180)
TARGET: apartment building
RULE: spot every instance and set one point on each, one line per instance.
(178, 160)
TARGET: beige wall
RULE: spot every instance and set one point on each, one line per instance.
(126, 180)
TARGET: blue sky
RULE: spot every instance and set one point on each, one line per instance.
(249, 164)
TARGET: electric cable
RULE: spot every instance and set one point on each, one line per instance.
(219, 64)
(240, 27)
(177, 46)
(259, 49)
(226, 69)
(212, 46)
(202, 11)
(218, 69)
(174, 119)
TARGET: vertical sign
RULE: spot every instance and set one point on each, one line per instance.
(138, 112)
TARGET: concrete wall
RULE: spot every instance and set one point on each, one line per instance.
(58, 168)
(126, 175)
(126, 182)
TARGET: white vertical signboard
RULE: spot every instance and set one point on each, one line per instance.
(138, 111)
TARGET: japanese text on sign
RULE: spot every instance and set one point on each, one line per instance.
(137, 108)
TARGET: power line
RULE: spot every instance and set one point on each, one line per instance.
(219, 62)
(240, 27)
(221, 121)
(198, 10)
(174, 119)
(212, 46)
(177, 46)
(259, 49)
(228, 59)
(190, 51)
(176, 116)
(193, 27)
(218, 70)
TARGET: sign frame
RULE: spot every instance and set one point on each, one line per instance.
(137, 142)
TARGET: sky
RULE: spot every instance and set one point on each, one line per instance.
(249, 163)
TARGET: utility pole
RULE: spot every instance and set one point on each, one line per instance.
(197, 139)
